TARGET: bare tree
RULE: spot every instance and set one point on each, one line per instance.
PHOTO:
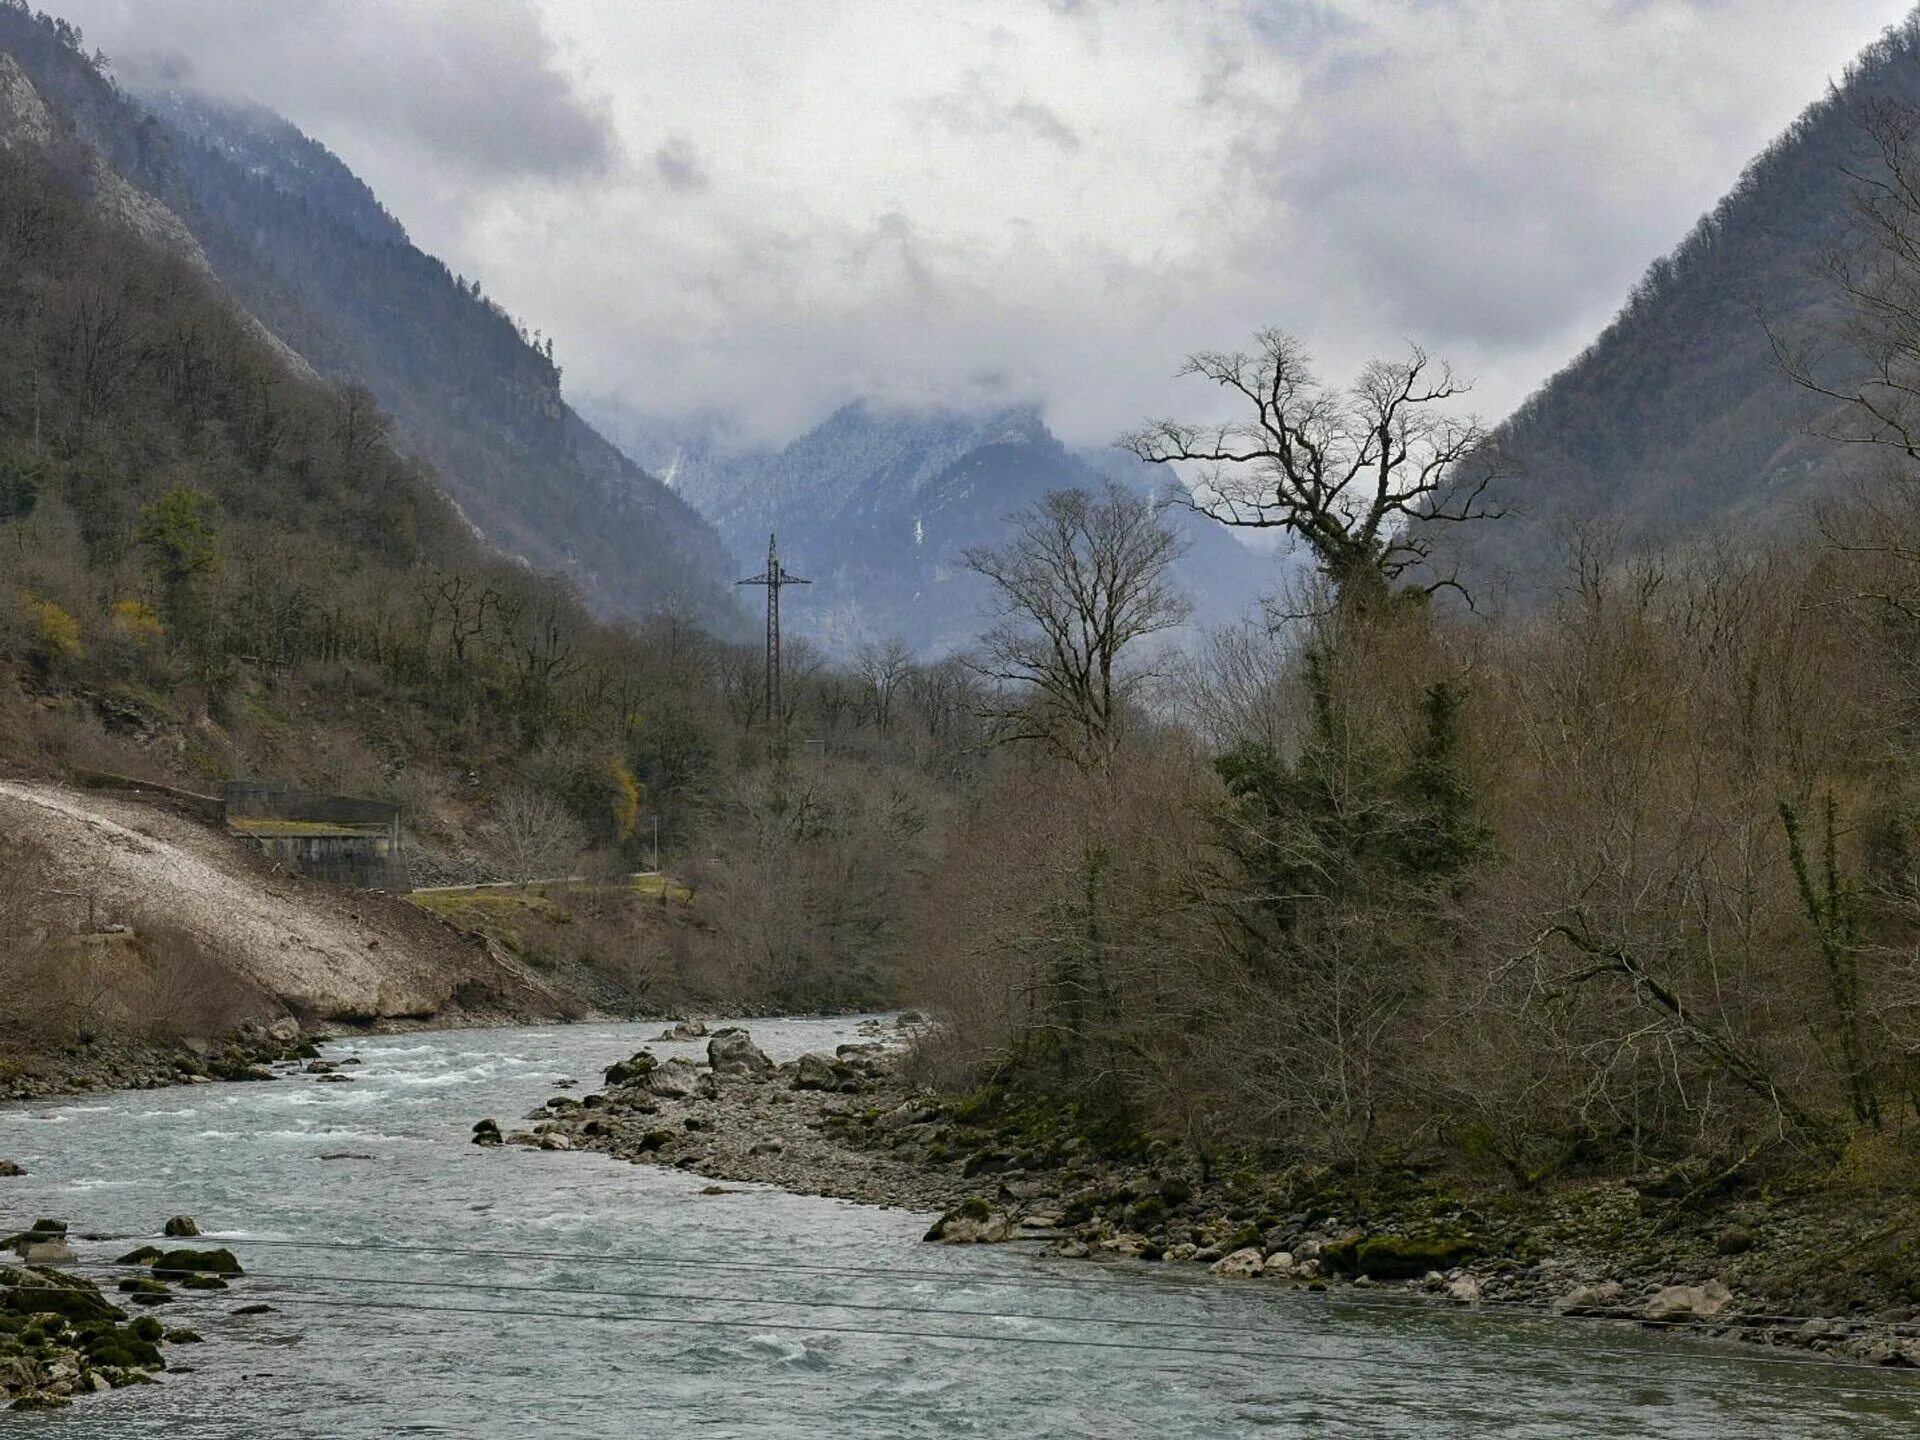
(1357, 474)
(882, 669)
(535, 835)
(1084, 579)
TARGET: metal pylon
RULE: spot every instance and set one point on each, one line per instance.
(775, 579)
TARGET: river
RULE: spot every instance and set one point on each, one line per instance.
(437, 1288)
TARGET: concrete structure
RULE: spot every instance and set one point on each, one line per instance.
(329, 837)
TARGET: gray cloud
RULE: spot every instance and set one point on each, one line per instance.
(1002, 201)
(476, 89)
(679, 165)
(971, 110)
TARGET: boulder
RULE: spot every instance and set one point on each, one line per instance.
(180, 1227)
(1464, 1291)
(974, 1223)
(1279, 1264)
(45, 1250)
(684, 1030)
(554, 1140)
(196, 1262)
(1588, 1299)
(1687, 1302)
(815, 1072)
(634, 1068)
(10, 1169)
(284, 1031)
(732, 1052)
(1240, 1265)
(675, 1080)
(487, 1132)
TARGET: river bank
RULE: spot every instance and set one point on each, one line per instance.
(1790, 1271)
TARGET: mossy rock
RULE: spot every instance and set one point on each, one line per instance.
(1399, 1257)
(148, 1329)
(51, 1293)
(202, 1282)
(1247, 1237)
(145, 1255)
(180, 1335)
(1148, 1213)
(1176, 1191)
(197, 1262)
(973, 1209)
(634, 1067)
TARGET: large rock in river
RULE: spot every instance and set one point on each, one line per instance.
(1696, 1302)
(676, 1080)
(732, 1052)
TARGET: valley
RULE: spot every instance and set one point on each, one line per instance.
(1249, 879)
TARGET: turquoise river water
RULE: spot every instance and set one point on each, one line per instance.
(424, 1286)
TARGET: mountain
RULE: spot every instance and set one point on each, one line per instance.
(876, 506)
(310, 251)
(1676, 422)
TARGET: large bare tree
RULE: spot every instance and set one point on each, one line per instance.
(1085, 577)
(1359, 474)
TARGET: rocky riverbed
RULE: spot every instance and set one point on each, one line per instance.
(1000, 1169)
(61, 1337)
(248, 1053)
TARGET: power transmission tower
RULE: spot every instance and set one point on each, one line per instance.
(775, 579)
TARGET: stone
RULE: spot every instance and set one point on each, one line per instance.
(684, 1030)
(1586, 1299)
(180, 1227)
(1464, 1291)
(46, 1251)
(1279, 1263)
(1241, 1264)
(487, 1132)
(203, 1262)
(634, 1068)
(1692, 1302)
(732, 1052)
(974, 1223)
(554, 1140)
(333, 1079)
(10, 1169)
(285, 1030)
(815, 1072)
(675, 1080)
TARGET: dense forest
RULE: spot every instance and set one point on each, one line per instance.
(302, 244)
(1626, 885)
(1677, 422)
(216, 564)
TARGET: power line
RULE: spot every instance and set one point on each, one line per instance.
(878, 1332)
(1202, 1326)
(1488, 1309)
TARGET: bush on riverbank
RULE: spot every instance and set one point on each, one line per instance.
(1627, 889)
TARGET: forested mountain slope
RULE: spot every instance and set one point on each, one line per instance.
(876, 506)
(309, 250)
(1677, 422)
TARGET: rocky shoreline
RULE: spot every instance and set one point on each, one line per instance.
(995, 1169)
(62, 1338)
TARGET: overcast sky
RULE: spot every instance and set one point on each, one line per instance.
(759, 209)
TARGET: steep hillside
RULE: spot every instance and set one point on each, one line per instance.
(1676, 421)
(876, 507)
(310, 251)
